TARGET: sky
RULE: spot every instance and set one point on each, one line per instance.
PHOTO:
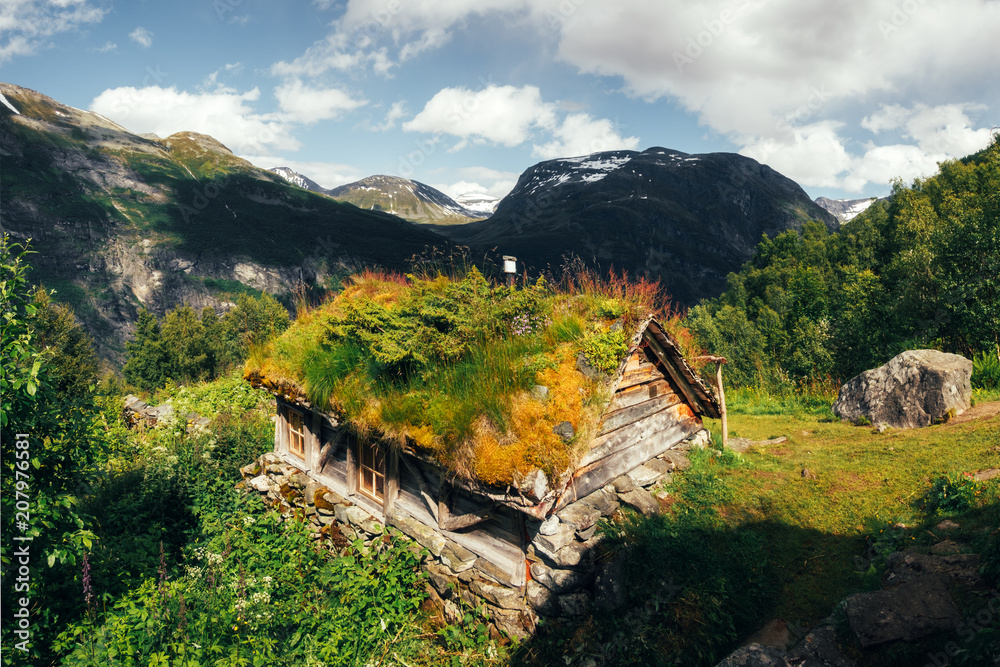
(843, 96)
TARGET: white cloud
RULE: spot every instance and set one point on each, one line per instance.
(25, 25)
(581, 134)
(305, 104)
(108, 47)
(476, 180)
(225, 115)
(396, 111)
(142, 37)
(503, 115)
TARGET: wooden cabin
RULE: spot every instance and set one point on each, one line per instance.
(524, 548)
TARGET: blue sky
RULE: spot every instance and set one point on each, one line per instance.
(466, 94)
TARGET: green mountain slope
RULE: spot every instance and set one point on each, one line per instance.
(122, 221)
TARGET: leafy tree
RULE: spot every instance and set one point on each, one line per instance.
(149, 365)
(74, 364)
(252, 322)
(50, 442)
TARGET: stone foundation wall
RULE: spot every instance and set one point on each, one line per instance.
(560, 555)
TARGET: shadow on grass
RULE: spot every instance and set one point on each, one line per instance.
(693, 590)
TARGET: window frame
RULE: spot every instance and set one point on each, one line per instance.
(298, 435)
(376, 470)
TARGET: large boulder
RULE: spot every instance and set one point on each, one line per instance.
(916, 388)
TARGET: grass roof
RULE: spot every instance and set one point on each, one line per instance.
(453, 366)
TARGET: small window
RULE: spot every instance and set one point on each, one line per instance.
(371, 471)
(296, 439)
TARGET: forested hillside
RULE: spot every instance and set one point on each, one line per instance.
(919, 270)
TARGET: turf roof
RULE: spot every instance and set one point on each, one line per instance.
(474, 375)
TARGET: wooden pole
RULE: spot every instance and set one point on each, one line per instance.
(722, 403)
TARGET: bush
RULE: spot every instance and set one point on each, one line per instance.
(954, 493)
(986, 371)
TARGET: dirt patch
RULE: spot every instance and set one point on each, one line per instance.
(848, 482)
(981, 411)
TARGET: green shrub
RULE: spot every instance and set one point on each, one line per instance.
(605, 349)
(986, 371)
(954, 493)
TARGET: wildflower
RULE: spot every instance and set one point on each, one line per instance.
(88, 591)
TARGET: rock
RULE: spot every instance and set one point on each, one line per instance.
(947, 526)
(299, 480)
(916, 388)
(754, 655)
(582, 515)
(540, 392)
(809, 474)
(514, 623)
(541, 598)
(564, 430)
(442, 582)
(984, 475)
(643, 475)
(605, 502)
(677, 459)
(946, 548)
(819, 648)
(584, 535)
(699, 440)
(609, 591)
(425, 536)
(309, 493)
(624, 484)
(501, 596)
(584, 367)
(457, 557)
(534, 485)
(549, 526)
(557, 580)
(903, 566)
(260, 483)
(326, 500)
(573, 604)
(563, 535)
(906, 612)
(641, 500)
(570, 555)
(774, 634)
(660, 466)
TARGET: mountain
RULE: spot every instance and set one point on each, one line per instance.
(410, 200)
(845, 209)
(295, 178)
(479, 202)
(688, 220)
(121, 222)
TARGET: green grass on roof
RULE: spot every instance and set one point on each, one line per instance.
(450, 365)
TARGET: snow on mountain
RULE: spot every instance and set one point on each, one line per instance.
(478, 202)
(846, 209)
(7, 104)
(295, 178)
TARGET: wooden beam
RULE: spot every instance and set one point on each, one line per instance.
(450, 522)
(681, 383)
(590, 478)
(391, 480)
(616, 419)
(638, 431)
(639, 393)
(722, 401)
(425, 493)
(352, 465)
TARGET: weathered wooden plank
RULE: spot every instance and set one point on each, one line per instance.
(640, 376)
(466, 514)
(635, 432)
(391, 480)
(352, 466)
(424, 488)
(637, 360)
(590, 478)
(619, 418)
(675, 375)
(638, 393)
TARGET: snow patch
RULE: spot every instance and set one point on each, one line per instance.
(7, 104)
